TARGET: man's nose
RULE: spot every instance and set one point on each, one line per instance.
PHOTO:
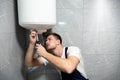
(46, 41)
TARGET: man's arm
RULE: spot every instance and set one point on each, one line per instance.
(29, 60)
(67, 65)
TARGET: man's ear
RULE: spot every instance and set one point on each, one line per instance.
(58, 41)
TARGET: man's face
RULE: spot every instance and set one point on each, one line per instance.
(51, 42)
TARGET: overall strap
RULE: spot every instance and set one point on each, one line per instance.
(66, 48)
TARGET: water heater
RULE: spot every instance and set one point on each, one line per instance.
(37, 14)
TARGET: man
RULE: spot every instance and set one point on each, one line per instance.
(66, 59)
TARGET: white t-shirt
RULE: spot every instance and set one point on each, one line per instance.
(73, 51)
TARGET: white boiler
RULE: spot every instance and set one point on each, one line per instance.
(37, 14)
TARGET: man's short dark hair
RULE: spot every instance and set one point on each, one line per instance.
(55, 35)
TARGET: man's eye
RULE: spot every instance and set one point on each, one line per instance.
(50, 39)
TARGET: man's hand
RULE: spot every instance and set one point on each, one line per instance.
(33, 36)
(40, 50)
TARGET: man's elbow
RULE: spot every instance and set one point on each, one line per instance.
(28, 64)
(69, 70)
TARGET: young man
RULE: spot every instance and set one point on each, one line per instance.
(66, 59)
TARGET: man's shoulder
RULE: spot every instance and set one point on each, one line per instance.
(73, 47)
(74, 51)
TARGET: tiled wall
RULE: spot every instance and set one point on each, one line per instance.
(92, 25)
(101, 36)
(11, 43)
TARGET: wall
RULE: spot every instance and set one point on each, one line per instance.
(92, 25)
(11, 43)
